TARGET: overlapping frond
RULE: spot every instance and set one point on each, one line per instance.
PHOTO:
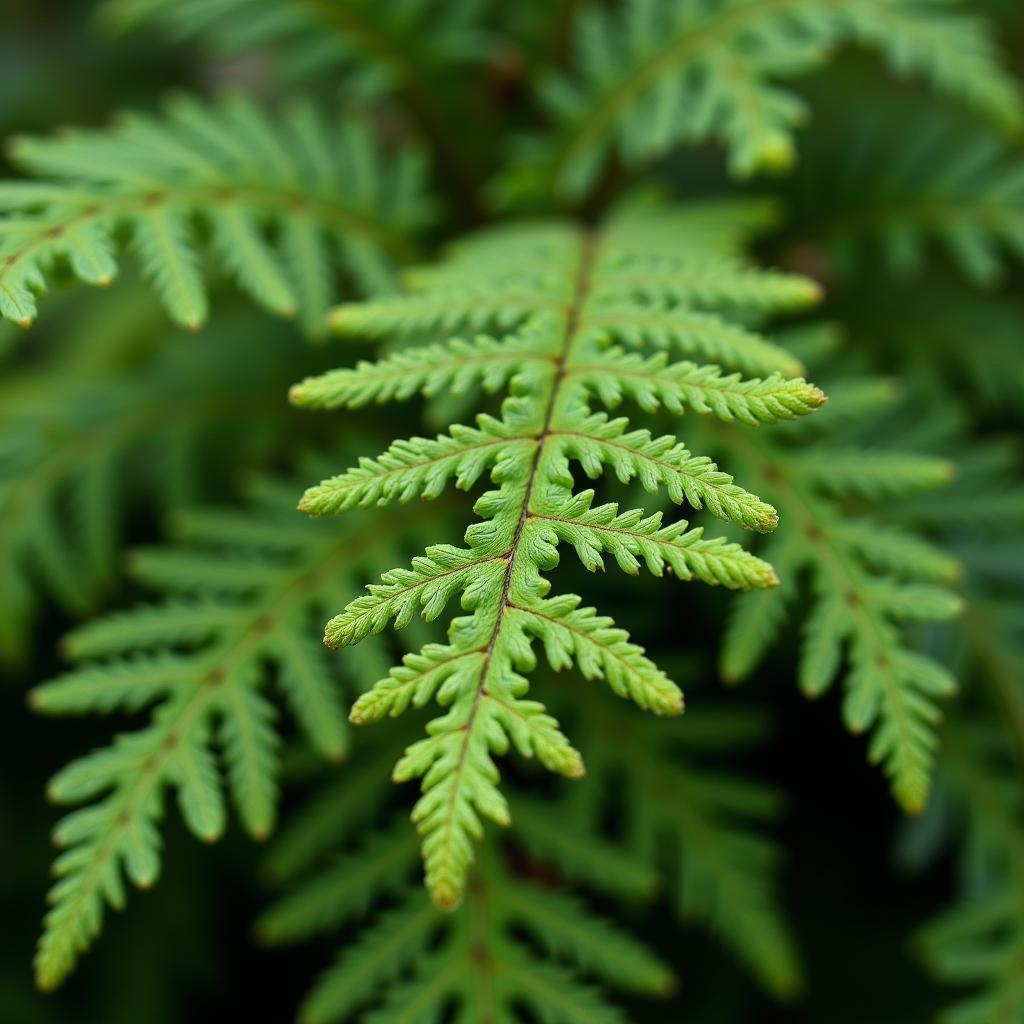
(945, 325)
(542, 284)
(978, 943)
(559, 336)
(286, 200)
(874, 190)
(695, 821)
(92, 434)
(869, 579)
(652, 74)
(243, 590)
(512, 944)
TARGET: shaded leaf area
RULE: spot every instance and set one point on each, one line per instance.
(243, 589)
(120, 418)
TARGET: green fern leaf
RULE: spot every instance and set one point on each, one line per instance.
(199, 661)
(94, 425)
(663, 462)
(979, 940)
(867, 582)
(653, 74)
(453, 367)
(478, 676)
(483, 957)
(232, 167)
(700, 826)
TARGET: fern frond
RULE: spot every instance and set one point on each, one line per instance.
(652, 382)
(845, 472)
(435, 578)
(453, 366)
(344, 890)
(600, 650)
(478, 676)
(949, 185)
(694, 280)
(654, 74)
(867, 579)
(510, 943)
(695, 333)
(699, 825)
(201, 663)
(631, 536)
(972, 335)
(663, 462)
(416, 467)
(286, 200)
(93, 432)
(979, 941)
(477, 290)
(715, 228)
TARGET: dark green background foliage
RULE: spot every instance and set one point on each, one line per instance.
(295, 189)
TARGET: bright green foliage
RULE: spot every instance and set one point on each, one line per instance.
(329, 193)
(514, 943)
(868, 580)
(694, 819)
(517, 356)
(541, 285)
(243, 589)
(653, 73)
(96, 422)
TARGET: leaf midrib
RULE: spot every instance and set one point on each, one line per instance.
(678, 49)
(252, 637)
(574, 310)
(282, 202)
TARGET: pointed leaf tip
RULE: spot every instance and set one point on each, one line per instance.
(574, 767)
(446, 898)
(676, 706)
(816, 396)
